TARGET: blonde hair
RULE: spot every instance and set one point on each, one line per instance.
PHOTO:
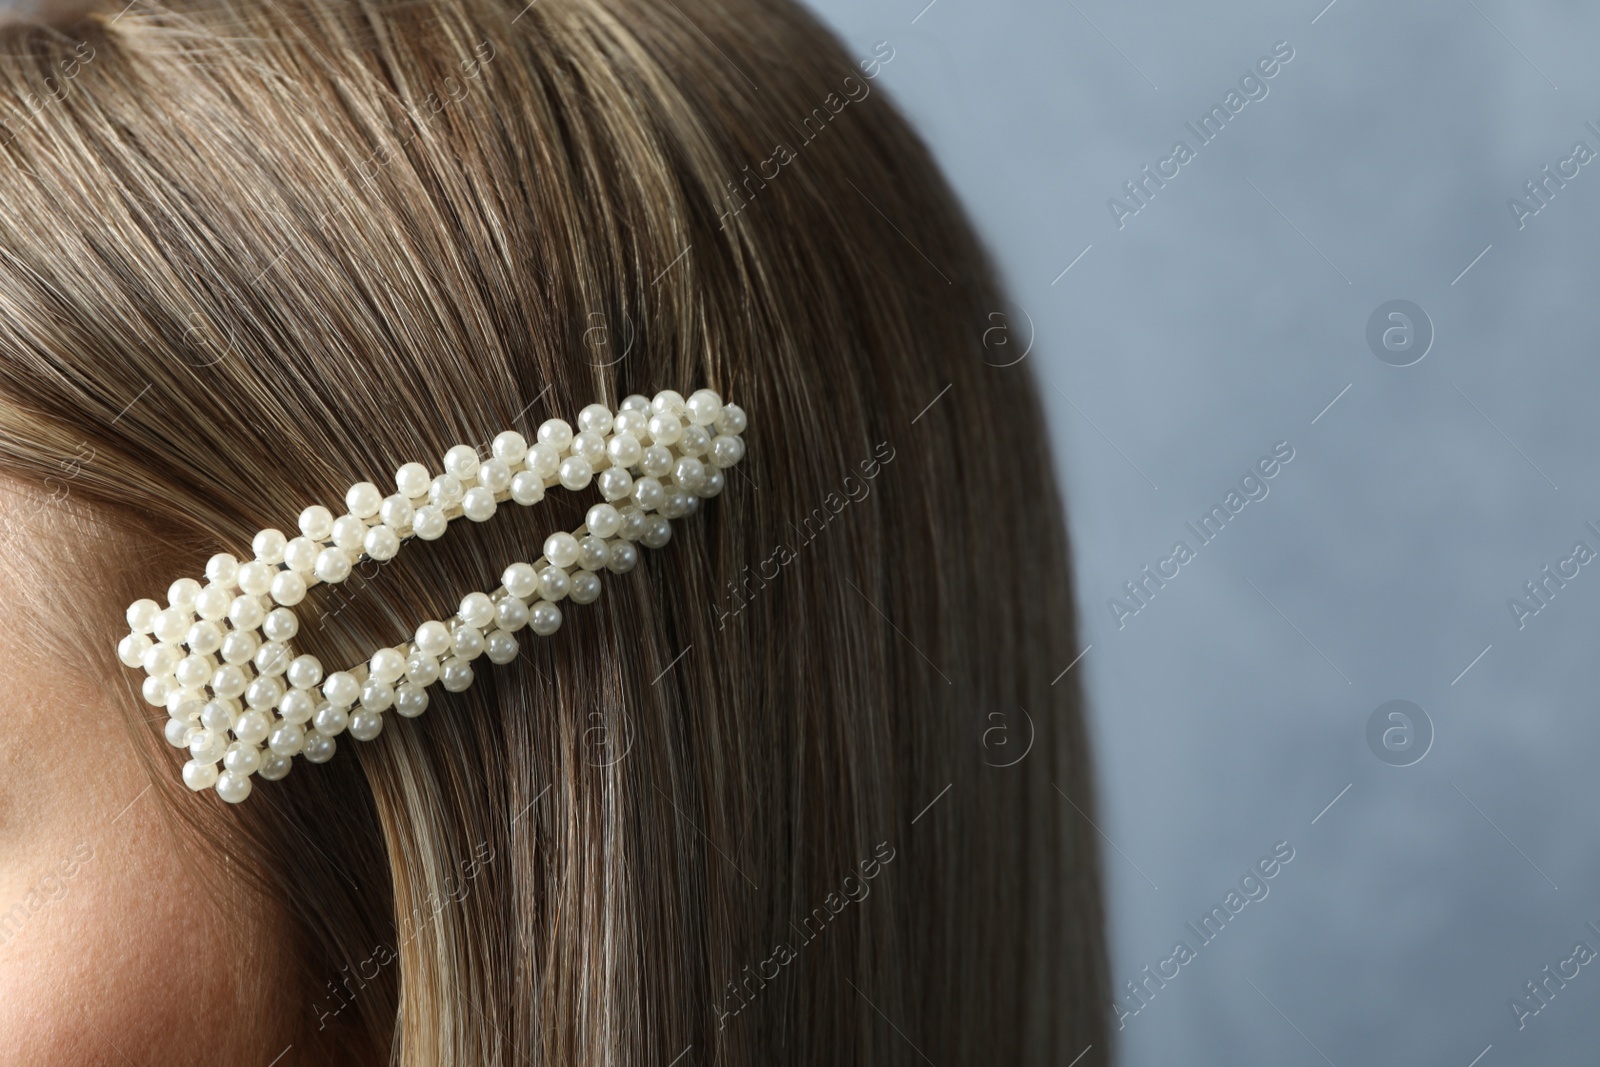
(251, 253)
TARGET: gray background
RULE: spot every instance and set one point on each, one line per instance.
(1223, 318)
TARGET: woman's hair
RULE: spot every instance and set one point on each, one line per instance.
(809, 785)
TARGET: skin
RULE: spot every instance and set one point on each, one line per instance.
(112, 951)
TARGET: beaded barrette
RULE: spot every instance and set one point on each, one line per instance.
(218, 657)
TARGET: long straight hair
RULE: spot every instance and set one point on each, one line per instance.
(799, 789)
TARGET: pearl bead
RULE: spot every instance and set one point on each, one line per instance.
(162, 659)
(131, 649)
(410, 700)
(656, 461)
(333, 566)
(712, 484)
(287, 739)
(585, 587)
(455, 675)
(382, 543)
(509, 447)
(603, 520)
(178, 731)
(561, 549)
(239, 647)
(377, 696)
(305, 672)
(171, 625)
(421, 669)
(316, 522)
(527, 488)
(428, 523)
(615, 484)
(229, 681)
(624, 450)
(635, 402)
(544, 458)
(633, 522)
(281, 624)
(670, 401)
(218, 714)
(212, 603)
(445, 492)
(576, 473)
(732, 421)
(554, 583)
(596, 418)
(198, 776)
(330, 720)
(648, 494)
(676, 503)
(689, 473)
(411, 480)
(300, 555)
(319, 748)
(264, 693)
(208, 746)
(363, 500)
(181, 594)
(182, 703)
(155, 690)
(520, 579)
(589, 447)
(297, 705)
(726, 451)
(396, 512)
(204, 637)
(658, 531)
(500, 646)
(544, 618)
(494, 476)
(288, 588)
(272, 659)
(432, 638)
(255, 578)
(478, 504)
(222, 569)
(476, 610)
(349, 532)
(195, 671)
(386, 665)
(592, 551)
(695, 441)
(704, 407)
(252, 727)
(142, 616)
(462, 461)
(511, 615)
(233, 787)
(467, 642)
(556, 433)
(665, 429)
(268, 547)
(242, 758)
(623, 557)
(274, 768)
(341, 689)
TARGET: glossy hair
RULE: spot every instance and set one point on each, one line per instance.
(749, 807)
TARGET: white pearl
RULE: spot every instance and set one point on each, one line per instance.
(386, 665)
(576, 473)
(462, 461)
(229, 681)
(732, 421)
(656, 461)
(712, 484)
(726, 451)
(494, 476)
(520, 579)
(554, 583)
(171, 625)
(561, 549)
(623, 557)
(556, 433)
(689, 473)
(300, 555)
(665, 429)
(239, 647)
(297, 705)
(615, 484)
(658, 531)
(183, 703)
(268, 546)
(195, 671)
(501, 647)
(287, 739)
(331, 720)
(209, 745)
(264, 693)
(543, 459)
(316, 522)
(446, 491)
(670, 401)
(319, 748)
(288, 588)
(274, 767)
(376, 696)
(272, 659)
(676, 505)
(633, 422)
(212, 603)
(162, 659)
(363, 500)
(432, 638)
(544, 618)
(204, 637)
(589, 447)
(455, 675)
(181, 594)
(218, 714)
(156, 690)
(476, 610)
(349, 532)
(592, 551)
(467, 642)
(281, 624)
(527, 488)
(246, 612)
(305, 672)
(222, 569)
(411, 480)
(142, 615)
(585, 587)
(382, 543)
(634, 520)
(478, 504)
(410, 700)
(510, 615)
(232, 787)
(333, 566)
(704, 407)
(242, 758)
(198, 776)
(131, 649)
(510, 447)
(596, 418)
(695, 441)
(648, 493)
(252, 727)
(396, 512)
(603, 520)
(255, 578)
(636, 402)
(429, 523)
(341, 689)
(178, 731)
(624, 450)
(422, 669)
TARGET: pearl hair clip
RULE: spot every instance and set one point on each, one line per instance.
(218, 656)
